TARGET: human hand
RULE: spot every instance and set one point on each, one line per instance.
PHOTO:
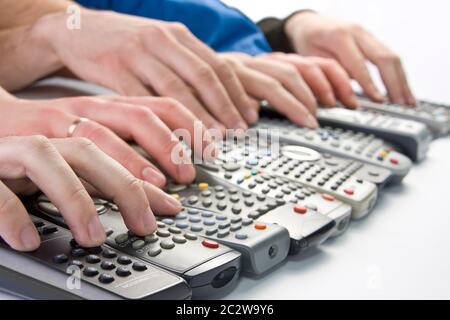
(351, 45)
(60, 167)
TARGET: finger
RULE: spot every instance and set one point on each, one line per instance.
(339, 80)
(16, 227)
(112, 180)
(201, 77)
(23, 186)
(224, 71)
(161, 202)
(352, 59)
(163, 146)
(389, 65)
(125, 83)
(289, 77)
(167, 83)
(43, 165)
(177, 117)
(264, 87)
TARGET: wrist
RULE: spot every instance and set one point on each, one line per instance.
(293, 24)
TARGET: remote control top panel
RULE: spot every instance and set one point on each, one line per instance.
(235, 157)
(102, 267)
(412, 137)
(435, 116)
(237, 208)
(183, 253)
(347, 144)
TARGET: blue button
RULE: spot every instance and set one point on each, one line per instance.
(241, 236)
(168, 221)
(182, 225)
(181, 216)
(195, 219)
(196, 228)
(221, 217)
(209, 222)
(207, 214)
(380, 158)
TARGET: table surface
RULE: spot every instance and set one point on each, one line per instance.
(402, 250)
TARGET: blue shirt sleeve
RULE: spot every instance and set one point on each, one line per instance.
(223, 28)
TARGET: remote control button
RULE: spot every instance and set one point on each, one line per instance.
(174, 230)
(223, 233)
(207, 203)
(151, 238)
(206, 193)
(221, 217)
(90, 272)
(168, 221)
(179, 239)
(311, 206)
(210, 244)
(260, 226)
(219, 188)
(231, 166)
(207, 214)
(60, 258)
(47, 230)
(190, 236)
(123, 272)
(124, 260)
(196, 228)
(236, 209)
(328, 197)
(175, 196)
(114, 207)
(234, 198)
(221, 205)
(49, 208)
(76, 263)
(300, 209)
(232, 191)
(350, 192)
(121, 238)
(163, 233)
(93, 259)
(182, 225)
(192, 211)
(203, 186)
(139, 266)
(138, 244)
(160, 224)
(167, 244)
(253, 215)
(95, 250)
(176, 188)
(195, 219)
(209, 222)
(181, 216)
(210, 231)
(107, 265)
(393, 161)
(236, 219)
(78, 252)
(106, 278)
(109, 232)
(224, 225)
(235, 227)
(38, 224)
(153, 252)
(192, 199)
(249, 202)
(220, 196)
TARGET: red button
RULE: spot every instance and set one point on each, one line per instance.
(300, 209)
(260, 226)
(350, 192)
(328, 197)
(394, 161)
(210, 244)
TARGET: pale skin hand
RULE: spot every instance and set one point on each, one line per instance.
(56, 167)
(315, 35)
(112, 119)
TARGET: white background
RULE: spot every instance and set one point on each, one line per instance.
(403, 249)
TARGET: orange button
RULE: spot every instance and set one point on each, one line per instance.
(260, 226)
(394, 161)
(210, 244)
(300, 209)
(328, 197)
(350, 192)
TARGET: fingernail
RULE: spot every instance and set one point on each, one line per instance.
(251, 115)
(186, 172)
(153, 176)
(354, 102)
(311, 122)
(378, 96)
(241, 126)
(29, 237)
(173, 203)
(330, 99)
(96, 231)
(149, 221)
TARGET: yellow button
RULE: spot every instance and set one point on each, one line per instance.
(176, 196)
(383, 154)
(248, 175)
(203, 186)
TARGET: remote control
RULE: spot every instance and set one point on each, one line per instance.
(239, 208)
(287, 191)
(209, 268)
(346, 144)
(412, 137)
(435, 116)
(60, 269)
(233, 158)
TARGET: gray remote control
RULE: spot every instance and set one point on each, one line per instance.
(208, 270)
(359, 146)
(60, 269)
(412, 137)
(435, 116)
(239, 208)
(358, 193)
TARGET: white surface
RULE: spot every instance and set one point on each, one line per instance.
(403, 249)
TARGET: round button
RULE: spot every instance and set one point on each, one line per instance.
(60, 258)
(92, 258)
(260, 226)
(241, 236)
(124, 260)
(190, 236)
(121, 238)
(393, 161)
(182, 225)
(195, 219)
(210, 244)
(106, 278)
(153, 252)
(163, 233)
(196, 228)
(203, 186)
(123, 272)
(207, 214)
(350, 192)
(76, 263)
(78, 252)
(174, 230)
(179, 239)
(151, 238)
(107, 265)
(168, 221)
(167, 244)
(139, 266)
(328, 197)
(90, 272)
(300, 209)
